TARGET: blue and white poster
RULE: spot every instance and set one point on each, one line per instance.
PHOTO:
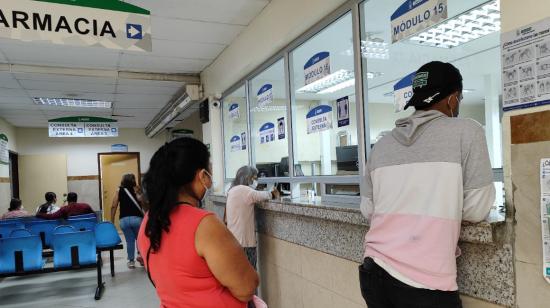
(265, 95)
(235, 143)
(267, 133)
(317, 67)
(343, 111)
(234, 111)
(319, 119)
(414, 16)
(403, 91)
(281, 128)
(243, 141)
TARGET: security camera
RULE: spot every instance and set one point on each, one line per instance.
(216, 104)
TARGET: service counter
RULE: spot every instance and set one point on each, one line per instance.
(485, 267)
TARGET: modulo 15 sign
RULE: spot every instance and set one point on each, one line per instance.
(414, 16)
(83, 127)
(107, 23)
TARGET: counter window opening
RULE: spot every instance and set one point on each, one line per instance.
(321, 82)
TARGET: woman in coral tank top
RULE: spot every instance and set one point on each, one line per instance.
(191, 257)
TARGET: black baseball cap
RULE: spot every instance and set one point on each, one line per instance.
(434, 81)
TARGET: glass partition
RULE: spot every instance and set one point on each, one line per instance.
(268, 121)
(392, 64)
(324, 122)
(235, 131)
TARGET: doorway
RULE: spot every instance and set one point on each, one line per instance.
(112, 166)
(14, 174)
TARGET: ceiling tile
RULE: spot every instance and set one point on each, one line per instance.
(194, 31)
(139, 100)
(123, 89)
(58, 55)
(15, 100)
(12, 92)
(64, 78)
(67, 87)
(155, 83)
(157, 64)
(239, 12)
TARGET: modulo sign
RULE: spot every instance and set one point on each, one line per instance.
(414, 16)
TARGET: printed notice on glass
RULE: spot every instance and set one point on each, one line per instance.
(4, 153)
(319, 119)
(414, 16)
(526, 66)
(235, 143)
(267, 133)
(234, 111)
(545, 215)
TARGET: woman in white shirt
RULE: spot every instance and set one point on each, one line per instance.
(241, 197)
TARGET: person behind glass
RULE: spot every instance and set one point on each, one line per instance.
(73, 208)
(432, 172)
(129, 197)
(49, 207)
(241, 198)
(190, 256)
(15, 210)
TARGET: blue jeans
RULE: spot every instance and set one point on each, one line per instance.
(130, 228)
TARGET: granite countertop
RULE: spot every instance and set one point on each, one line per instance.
(479, 233)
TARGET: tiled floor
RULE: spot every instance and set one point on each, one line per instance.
(129, 288)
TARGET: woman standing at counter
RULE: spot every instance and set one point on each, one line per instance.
(241, 197)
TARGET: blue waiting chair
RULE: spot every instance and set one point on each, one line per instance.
(74, 249)
(64, 229)
(83, 224)
(44, 229)
(20, 254)
(7, 228)
(20, 233)
(106, 235)
(91, 215)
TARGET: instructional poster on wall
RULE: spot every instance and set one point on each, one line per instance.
(243, 141)
(343, 111)
(526, 66)
(281, 128)
(4, 153)
(267, 133)
(545, 215)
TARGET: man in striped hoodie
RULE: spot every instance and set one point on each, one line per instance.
(432, 172)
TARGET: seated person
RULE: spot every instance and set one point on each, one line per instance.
(15, 210)
(49, 207)
(71, 209)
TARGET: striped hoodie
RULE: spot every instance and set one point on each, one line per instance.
(423, 179)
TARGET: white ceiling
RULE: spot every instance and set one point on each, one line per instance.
(187, 36)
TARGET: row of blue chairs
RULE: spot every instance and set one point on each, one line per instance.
(45, 228)
(72, 248)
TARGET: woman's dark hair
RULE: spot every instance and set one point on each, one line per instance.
(128, 181)
(50, 197)
(15, 204)
(172, 168)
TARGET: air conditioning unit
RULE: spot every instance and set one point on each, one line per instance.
(182, 101)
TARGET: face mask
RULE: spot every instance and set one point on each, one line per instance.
(254, 184)
(453, 115)
(207, 190)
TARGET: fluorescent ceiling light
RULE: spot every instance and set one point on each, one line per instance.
(334, 82)
(466, 27)
(72, 102)
(371, 50)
